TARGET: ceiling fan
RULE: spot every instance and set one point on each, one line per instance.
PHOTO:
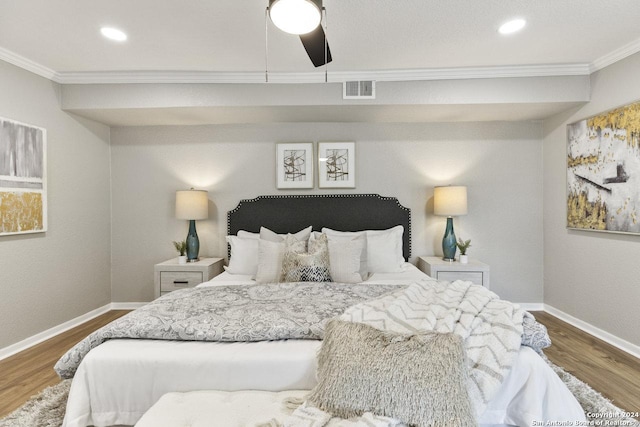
(303, 18)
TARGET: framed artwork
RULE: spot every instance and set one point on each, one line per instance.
(336, 165)
(23, 178)
(294, 165)
(603, 171)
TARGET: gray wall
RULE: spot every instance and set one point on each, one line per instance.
(592, 276)
(49, 278)
(501, 163)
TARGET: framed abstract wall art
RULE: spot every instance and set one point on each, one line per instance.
(603, 171)
(294, 165)
(336, 165)
(23, 178)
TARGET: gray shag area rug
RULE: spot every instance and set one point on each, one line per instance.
(46, 409)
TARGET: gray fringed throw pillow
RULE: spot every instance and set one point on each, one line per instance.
(299, 266)
(419, 379)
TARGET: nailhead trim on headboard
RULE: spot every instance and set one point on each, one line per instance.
(407, 225)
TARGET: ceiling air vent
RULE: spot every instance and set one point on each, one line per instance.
(363, 89)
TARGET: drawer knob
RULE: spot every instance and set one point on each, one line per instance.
(180, 282)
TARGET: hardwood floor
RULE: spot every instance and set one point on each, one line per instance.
(605, 368)
(612, 372)
(26, 373)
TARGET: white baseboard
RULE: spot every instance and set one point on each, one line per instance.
(127, 305)
(605, 336)
(531, 306)
(52, 332)
(56, 330)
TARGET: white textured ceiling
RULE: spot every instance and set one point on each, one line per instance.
(364, 35)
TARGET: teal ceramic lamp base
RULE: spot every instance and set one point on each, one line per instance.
(449, 242)
(193, 243)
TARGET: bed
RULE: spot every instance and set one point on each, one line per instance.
(119, 380)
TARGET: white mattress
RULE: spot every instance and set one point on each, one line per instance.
(120, 380)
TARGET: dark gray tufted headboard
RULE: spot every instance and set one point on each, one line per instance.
(344, 212)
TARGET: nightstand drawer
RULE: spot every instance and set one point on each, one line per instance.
(473, 271)
(170, 275)
(174, 280)
(450, 276)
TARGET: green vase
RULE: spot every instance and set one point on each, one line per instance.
(193, 243)
(449, 242)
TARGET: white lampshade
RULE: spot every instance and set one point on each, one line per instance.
(192, 204)
(450, 200)
(295, 16)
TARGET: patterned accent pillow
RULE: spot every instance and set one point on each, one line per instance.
(299, 266)
(534, 334)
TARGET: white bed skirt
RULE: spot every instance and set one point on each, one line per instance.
(531, 392)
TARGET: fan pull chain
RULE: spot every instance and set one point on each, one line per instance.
(266, 45)
(326, 65)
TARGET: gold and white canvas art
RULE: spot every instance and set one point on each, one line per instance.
(23, 190)
(603, 171)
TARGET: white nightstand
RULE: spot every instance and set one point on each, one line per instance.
(474, 271)
(170, 276)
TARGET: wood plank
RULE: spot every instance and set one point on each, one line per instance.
(28, 372)
(607, 369)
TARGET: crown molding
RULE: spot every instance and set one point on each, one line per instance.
(27, 64)
(615, 56)
(159, 77)
(123, 77)
(461, 73)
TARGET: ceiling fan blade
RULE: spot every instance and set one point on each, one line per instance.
(314, 43)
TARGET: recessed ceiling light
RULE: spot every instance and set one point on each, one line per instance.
(512, 26)
(113, 34)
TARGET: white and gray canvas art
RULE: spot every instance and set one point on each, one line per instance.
(21, 156)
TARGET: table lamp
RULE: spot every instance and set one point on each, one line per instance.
(192, 205)
(449, 201)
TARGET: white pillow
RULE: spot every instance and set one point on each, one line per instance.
(301, 235)
(244, 255)
(384, 248)
(347, 257)
(248, 235)
(271, 254)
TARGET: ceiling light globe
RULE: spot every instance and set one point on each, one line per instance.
(295, 16)
(512, 26)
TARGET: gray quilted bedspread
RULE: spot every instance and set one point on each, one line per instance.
(231, 313)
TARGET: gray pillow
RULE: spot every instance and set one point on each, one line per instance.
(299, 266)
(534, 334)
(419, 379)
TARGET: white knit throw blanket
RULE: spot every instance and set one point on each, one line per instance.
(310, 416)
(491, 327)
